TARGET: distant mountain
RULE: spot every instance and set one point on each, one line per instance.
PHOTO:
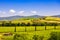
(56, 16)
(10, 18)
(17, 17)
(35, 16)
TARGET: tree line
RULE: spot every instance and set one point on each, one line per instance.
(29, 24)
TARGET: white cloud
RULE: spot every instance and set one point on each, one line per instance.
(12, 11)
(3, 12)
(0, 11)
(34, 12)
(21, 12)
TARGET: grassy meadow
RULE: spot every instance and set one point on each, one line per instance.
(27, 28)
(30, 31)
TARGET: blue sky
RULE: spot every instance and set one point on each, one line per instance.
(29, 7)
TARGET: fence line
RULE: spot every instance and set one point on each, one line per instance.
(27, 28)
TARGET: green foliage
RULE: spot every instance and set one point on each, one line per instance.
(18, 24)
(23, 24)
(54, 36)
(41, 37)
(28, 24)
(20, 37)
(37, 37)
(33, 23)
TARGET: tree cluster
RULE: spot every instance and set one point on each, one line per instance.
(29, 24)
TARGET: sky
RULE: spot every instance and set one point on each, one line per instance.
(29, 7)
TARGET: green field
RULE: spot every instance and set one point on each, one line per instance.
(30, 31)
(27, 28)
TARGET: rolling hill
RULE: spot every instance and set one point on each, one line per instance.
(17, 17)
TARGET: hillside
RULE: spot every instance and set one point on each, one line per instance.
(19, 17)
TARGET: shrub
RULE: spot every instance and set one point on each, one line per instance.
(37, 37)
(54, 36)
(20, 37)
(41, 37)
